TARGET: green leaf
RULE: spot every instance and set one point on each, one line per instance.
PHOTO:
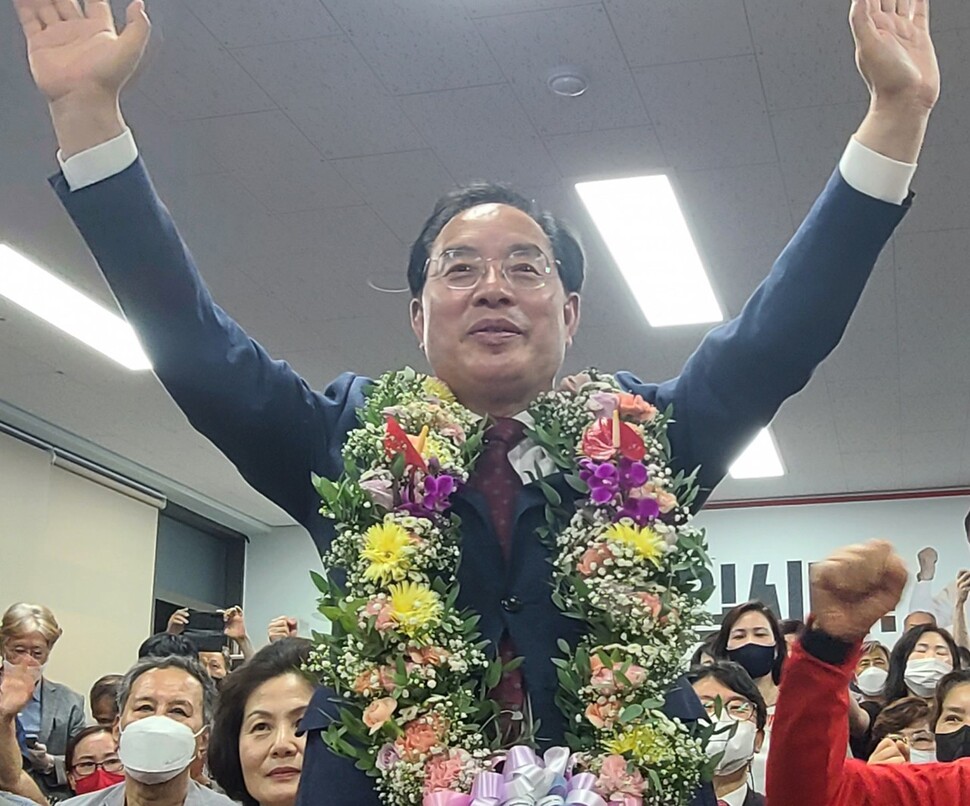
(397, 466)
(551, 494)
(577, 483)
(631, 712)
(563, 645)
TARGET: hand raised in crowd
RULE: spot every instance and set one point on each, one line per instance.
(17, 687)
(963, 587)
(855, 587)
(281, 627)
(235, 623)
(71, 50)
(80, 63)
(891, 750)
(178, 621)
(894, 51)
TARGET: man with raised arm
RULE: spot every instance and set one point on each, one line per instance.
(851, 591)
(496, 343)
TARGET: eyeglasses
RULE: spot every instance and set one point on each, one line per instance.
(920, 740)
(86, 768)
(463, 269)
(737, 708)
(37, 653)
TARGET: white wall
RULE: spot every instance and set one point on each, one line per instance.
(278, 581)
(780, 542)
(85, 551)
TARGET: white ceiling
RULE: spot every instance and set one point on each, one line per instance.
(300, 143)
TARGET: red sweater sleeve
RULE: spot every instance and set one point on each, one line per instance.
(807, 764)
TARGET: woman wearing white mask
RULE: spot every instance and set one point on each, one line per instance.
(919, 661)
(165, 705)
(871, 673)
(909, 721)
(738, 710)
(55, 713)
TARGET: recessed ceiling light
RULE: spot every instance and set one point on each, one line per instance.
(759, 460)
(45, 295)
(567, 81)
(645, 230)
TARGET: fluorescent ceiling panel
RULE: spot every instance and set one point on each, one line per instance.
(759, 460)
(643, 226)
(45, 295)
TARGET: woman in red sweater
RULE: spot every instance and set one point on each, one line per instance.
(807, 766)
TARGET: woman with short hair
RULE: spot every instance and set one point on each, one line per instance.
(256, 754)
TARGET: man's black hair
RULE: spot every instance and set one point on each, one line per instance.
(567, 250)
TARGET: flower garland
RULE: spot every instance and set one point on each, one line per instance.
(412, 669)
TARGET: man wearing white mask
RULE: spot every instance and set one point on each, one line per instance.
(738, 711)
(165, 709)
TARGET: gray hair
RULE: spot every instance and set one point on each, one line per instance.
(188, 665)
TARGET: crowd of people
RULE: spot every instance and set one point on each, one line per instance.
(181, 726)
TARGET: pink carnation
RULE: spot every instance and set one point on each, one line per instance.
(441, 772)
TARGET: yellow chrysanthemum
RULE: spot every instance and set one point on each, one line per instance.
(642, 743)
(644, 540)
(386, 548)
(413, 607)
(433, 387)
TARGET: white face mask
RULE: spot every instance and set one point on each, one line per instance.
(922, 675)
(37, 672)
(922, 756)
(738, 747)
(156, 749)
(872, 681)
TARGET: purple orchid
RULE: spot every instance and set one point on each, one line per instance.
(640, 510)
(602, 479)
(434, 497)
(632, 474)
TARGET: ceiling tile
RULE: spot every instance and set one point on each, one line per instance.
(482, 133)
(401, 188)
(334, 98)
(235, 24)
(417, 47)
(667, 31)
(189, 75)
(739, 218)
(805, 53)
(275, 162)
(867, 414)
(708, 114)
(875, 470)
(529, 45)
(494, 8)
(607, 154)
(810, 144)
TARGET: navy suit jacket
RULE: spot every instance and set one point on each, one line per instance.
(276, 429)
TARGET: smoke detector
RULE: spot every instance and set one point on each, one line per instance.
(567, 81)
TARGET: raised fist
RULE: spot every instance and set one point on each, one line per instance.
(855, 587)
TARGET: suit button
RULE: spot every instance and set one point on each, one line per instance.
(512, 604)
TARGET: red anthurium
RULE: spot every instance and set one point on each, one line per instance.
(397, 441)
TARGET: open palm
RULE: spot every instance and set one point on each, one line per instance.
(74, 50)
(894, 50)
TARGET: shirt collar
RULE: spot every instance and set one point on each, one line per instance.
(736, 798)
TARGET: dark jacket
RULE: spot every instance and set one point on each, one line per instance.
(276, 429)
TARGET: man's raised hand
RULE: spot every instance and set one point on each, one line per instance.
(75, 50)
(894, 51)
(855, 587)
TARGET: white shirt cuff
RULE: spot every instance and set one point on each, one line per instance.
(99, 162)
(871, 173)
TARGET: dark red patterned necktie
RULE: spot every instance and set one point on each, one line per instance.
(496, 479)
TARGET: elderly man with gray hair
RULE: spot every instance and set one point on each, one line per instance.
(165, 709)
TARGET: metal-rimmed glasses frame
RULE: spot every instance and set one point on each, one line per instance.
(461, 269)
